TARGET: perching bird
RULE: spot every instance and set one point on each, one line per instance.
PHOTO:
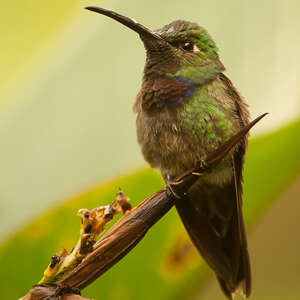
(187, 108)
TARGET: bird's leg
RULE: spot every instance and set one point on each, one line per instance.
(171, 186)
(203, 165)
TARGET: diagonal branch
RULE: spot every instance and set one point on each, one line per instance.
(131, 228)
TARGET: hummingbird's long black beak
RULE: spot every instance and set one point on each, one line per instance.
(128, 22)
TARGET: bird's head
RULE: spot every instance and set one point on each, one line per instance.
(181, 48)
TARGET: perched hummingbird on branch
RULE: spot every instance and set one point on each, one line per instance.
(187, 108)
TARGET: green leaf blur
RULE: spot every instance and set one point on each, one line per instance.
(270, 167)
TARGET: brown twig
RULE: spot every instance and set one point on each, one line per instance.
(131, 228)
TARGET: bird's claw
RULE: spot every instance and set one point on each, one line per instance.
(171, 188)
(203, 164)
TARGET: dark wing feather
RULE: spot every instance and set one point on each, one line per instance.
(224, 250)
(213, 218)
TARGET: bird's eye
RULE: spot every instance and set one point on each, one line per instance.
(188, 46)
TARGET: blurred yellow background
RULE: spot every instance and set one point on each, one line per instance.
(69, 78)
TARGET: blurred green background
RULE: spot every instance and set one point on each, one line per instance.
(69, 78)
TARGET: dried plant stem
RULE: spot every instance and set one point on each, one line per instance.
(120, 239)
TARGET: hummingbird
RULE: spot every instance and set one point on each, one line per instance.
(186, 108)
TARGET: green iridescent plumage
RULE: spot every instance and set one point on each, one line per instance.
(203, 115)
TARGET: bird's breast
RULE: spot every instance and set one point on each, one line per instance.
(176, 137)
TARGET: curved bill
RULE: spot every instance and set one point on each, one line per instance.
(128, 22)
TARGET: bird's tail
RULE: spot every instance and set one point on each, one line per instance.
(213, 218)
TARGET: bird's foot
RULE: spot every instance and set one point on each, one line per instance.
(203, 164)
(171, 187)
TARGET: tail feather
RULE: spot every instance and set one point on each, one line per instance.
(204, 211)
